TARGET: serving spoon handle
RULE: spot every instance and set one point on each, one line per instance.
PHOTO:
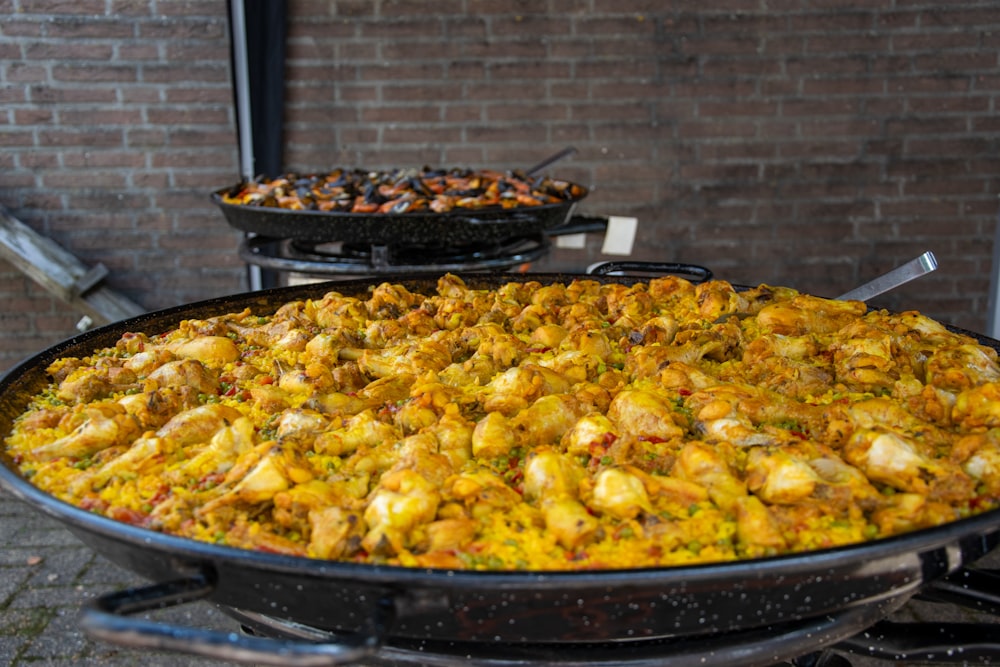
(915, 268)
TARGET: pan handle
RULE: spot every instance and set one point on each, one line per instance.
(698, 274)
(107, 619)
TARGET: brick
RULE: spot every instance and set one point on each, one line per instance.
(176, 73)
(88, 27)
(189, 29)
(20, 72)
(66, 51)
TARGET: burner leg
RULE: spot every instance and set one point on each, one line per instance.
(821, 659)
(380, 257)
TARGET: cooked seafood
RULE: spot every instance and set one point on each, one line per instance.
(585, 425)
(401, 191)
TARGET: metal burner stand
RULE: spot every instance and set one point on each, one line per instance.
(285, 255)
(824, 642)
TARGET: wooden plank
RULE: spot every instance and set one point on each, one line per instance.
(62, 274)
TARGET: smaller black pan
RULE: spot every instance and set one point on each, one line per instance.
(455, 228)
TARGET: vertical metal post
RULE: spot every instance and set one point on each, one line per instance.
(993, 309)
(244, 117)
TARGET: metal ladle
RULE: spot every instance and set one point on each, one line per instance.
(901, 275)
(552, 159)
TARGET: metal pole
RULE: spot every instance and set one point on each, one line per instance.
(993, 310)
(244, 118)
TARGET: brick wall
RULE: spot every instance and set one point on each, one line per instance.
(781, 141)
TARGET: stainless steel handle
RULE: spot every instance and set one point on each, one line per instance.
(901, 275)
(107, 619)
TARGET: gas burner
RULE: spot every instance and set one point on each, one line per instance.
(324, 259)
(839, 639)
(803, 642)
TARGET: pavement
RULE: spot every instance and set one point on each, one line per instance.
(47, 575)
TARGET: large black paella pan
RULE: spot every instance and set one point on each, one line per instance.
(371, 609)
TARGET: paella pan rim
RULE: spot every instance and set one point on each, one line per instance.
(16, 386)
(985, 526)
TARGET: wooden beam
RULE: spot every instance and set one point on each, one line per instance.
(62, 274)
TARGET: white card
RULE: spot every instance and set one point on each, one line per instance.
(574, 241)
(620, 237)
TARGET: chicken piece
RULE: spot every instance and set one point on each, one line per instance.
(519, 387)
(323, 348)
(269, 398)
(412, 358)
(84, 385)
(306, 381)
(587, 341)
(450, 534)
(334, 532)
(569, 522)
(491, 342)
(482, 492)
(455, 436)
(292, 507)
(841, 489)
(413, 416)
(903, 512)
(721, 420)
(300, 425)
(477, 370)
(671, 494)
(804, 314)
(703, 465)
(387, 391)
(546, 420)
(962, 367)
(336, 311)
(660, 329)
(226, 445)
(889, 458)
(777, 477)
(549, 336)
(681, 376)
(758, 532)
(550, 474)
(199, 424)
(620, 494)
(403, 501)
(94, 428)
(874, 413)
(152, 409)
(978, 407)
(212, 351)
(648, 361)
(644, 414)
(735, 412)
(979, 456)
(865, 363)
(361, 430)
(717, 298)
(133, 460)
(419, 452)
(628, 306)
(258, 475)
(592, 432)
(145, 362)
(389, 301)
(186, 372)
(790, 365)
(574, 365)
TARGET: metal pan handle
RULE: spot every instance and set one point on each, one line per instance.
(107, 619)
(698, 274)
